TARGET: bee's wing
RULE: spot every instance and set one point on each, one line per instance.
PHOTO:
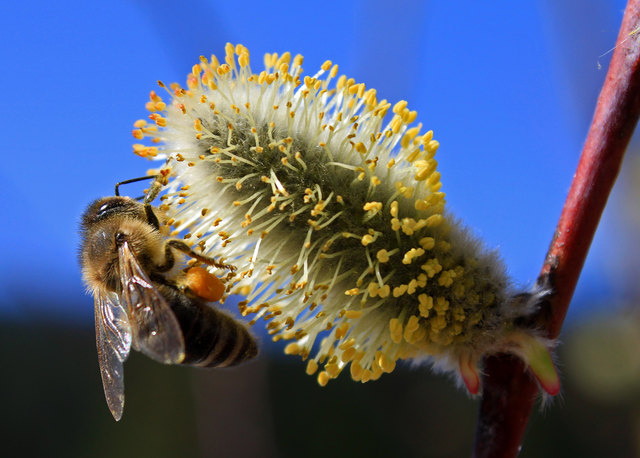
(113, 340)
(155, 328)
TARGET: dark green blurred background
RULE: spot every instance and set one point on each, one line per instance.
(53, 405)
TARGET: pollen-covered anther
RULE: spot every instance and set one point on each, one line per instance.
(441, 305)
(373, 207)
(431, 267)
(395, 330)
(386, 363)
(425, 304)
(411, 327)
(424, 169)
(323, 378)
(432, 146)
(434, 220)
(412, 254)
(383, 255)
(341, 331)
(446, 278)
(312, 367)
(427, 243)
(400, 290)
(292, 349)
(410, 225)
(368, 239)
(373, 289)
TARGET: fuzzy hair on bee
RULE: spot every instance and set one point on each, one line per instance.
(145, 301)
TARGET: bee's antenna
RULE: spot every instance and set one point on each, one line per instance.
(133, 180)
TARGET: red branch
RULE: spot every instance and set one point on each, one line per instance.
(509, 391)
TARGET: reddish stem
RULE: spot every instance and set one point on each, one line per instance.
(509, 391)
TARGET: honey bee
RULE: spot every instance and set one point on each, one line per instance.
(143, 300)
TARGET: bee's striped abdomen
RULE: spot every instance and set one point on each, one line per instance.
(232, 343)
(211, 337)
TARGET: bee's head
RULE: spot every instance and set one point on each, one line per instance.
(106, 224)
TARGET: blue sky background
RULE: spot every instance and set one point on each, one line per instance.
(507, 87)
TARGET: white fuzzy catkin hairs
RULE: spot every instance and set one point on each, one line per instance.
(336, 223)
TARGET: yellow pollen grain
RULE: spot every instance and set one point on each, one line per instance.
(424, 172)
(394, 209)
(348, 354)
(323, 378)
(375, 206)
(341, 330)
(409, 135)
(427, 243)
(367, 239)
(431, 267)
(426, 138)
(395, 330)
(352, 292)
(353, 314)
(384, 291)
(432, 146)
(160, 121)
(382, 256)
(292, 349)
(332, 369)
(386, 364)
(414, 155)
(400, 106)
(446, 278)
(372, 289)
(356, 371)
(347, 344)
(396, 124)
(425, 304)
(438, 323)
(366, 376)
(400, 290)
(411, 327)
(421, 204)
(312, 367)
(412, 286)
(434, 220)
(411, 255)
(441, 305)
(410, 117)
